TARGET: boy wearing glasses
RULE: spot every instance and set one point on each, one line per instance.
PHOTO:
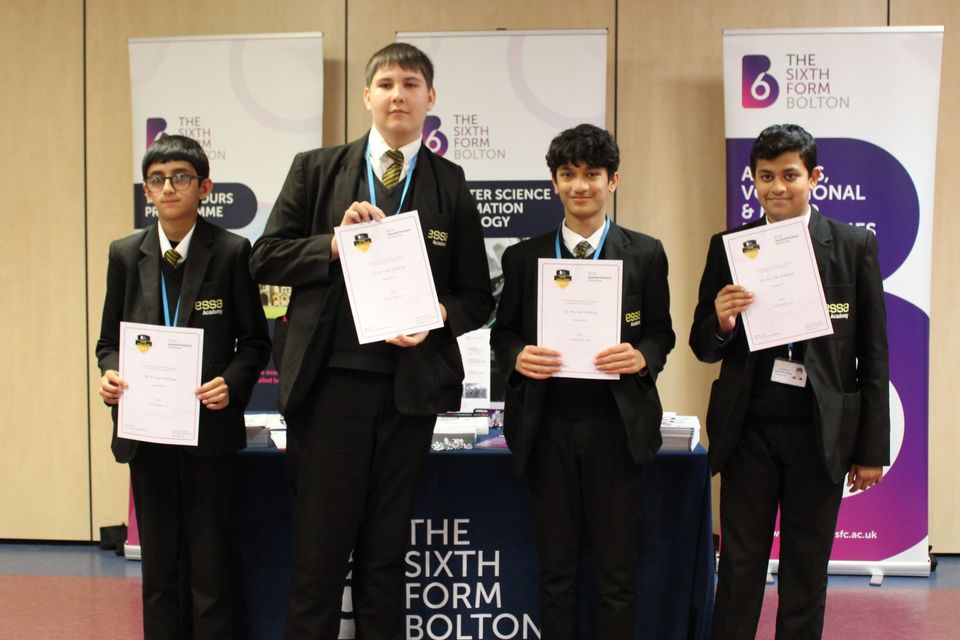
(183, 495)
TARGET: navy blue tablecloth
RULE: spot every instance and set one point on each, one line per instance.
(471, 565)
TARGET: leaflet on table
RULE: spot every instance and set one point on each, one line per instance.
(578, 312)
(388, 277)
(162, 368)
(475, 352)
(777, 264)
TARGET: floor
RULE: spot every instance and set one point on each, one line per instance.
(53, 591)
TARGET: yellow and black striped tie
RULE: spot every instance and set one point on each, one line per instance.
(392, 175)
(581, 250)
(172, 257)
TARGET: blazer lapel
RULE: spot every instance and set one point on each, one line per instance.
(822, 241)
(149, 267)
(345, 184)
(195, 269)
(425, 197)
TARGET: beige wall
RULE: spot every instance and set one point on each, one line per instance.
(665, 77)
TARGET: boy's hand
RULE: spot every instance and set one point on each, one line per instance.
(215, 394)
(860, 478)
(111, 386)
(730, 301)
(623, 358)
(408, 341)
(538, 363)
(355, 213)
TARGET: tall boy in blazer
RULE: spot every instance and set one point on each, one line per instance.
(360, 417)
(185, 493)
(581, 442)
(781, 445)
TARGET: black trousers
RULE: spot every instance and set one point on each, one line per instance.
(355, 464)
(184, 506)
(775, 465)
(583, 478)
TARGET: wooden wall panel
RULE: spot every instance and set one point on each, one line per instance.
(945, 314)
(43, 457)
(371, 27)
(109, 24)
(671, 134)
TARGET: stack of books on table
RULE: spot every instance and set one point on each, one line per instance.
(680, 433)
(459, 430)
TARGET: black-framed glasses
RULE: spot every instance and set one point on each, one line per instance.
(179, 182)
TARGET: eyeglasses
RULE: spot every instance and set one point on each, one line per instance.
(180, 182)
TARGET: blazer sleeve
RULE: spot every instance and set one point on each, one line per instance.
(252, 336)
(468, 301)
(872, 447)
(108, 345)
(657, 338)
(506, 336)
(703, 334)
(287, 253)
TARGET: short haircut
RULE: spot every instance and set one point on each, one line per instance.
(778, 139)
(403, 55)
(585, 144)
(170, 148)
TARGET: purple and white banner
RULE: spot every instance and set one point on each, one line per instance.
(870, 96)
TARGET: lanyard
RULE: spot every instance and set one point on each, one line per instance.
(790, 351)
(166, 306)
(603, 238)
(373, 190)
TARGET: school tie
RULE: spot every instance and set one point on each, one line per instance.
(582, 249)
(172, 257)
(392, 175)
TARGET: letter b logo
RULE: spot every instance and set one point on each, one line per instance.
(760, 89)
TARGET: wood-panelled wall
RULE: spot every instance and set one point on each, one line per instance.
(67, 132)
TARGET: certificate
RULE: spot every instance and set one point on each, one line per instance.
(579, 312)
(777, 264)
(162, 368)
(388, 277)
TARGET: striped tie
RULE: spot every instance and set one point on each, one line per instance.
(392, 175)
(582, 249)
(172, 257)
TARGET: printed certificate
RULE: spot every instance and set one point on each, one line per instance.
(388, 277)
(579, 312)
(162, 368)
(777, 264)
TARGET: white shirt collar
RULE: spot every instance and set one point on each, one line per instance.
(571, 238)
(806, 216)
(182, 247)
(379, 159)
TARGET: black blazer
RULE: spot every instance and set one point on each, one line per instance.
(236, 343)
(295, 250)
(847, 371)
(645, 290)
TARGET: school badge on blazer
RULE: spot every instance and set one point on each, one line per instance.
(632, 318)
(751, 248)
(143, 343)
(362, 242)
(562, 278)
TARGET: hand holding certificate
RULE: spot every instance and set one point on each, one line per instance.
(776, 263)
(388, 277)
(161, 367)
(579, 312)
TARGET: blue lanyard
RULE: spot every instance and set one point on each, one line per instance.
(166, 306)
(790, 352)
(373, 190)
(603, 238)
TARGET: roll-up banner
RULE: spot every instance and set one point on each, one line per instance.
(502, 96)
(870, 97)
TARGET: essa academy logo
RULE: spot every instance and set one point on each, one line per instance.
(143, 343)
(562, 277)
(362, 242)
(751, 248)
(760, 89)
(433, 138)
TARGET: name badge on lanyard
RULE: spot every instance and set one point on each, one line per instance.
(789, 371)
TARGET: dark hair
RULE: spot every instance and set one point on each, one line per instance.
(403, 55)
(778, 139)
(169, 148)
(586, 144)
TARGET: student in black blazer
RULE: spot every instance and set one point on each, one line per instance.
(360, 418)
(780, 445)
(582, 441)
(184, 493)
